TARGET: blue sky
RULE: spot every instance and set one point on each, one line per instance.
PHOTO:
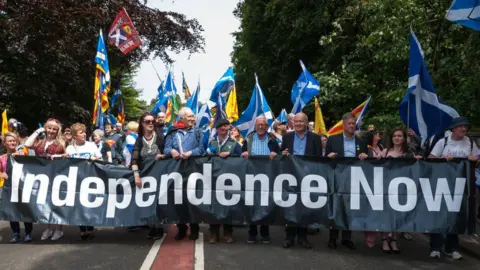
(218, 22)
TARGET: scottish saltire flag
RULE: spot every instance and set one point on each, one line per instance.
(222, 88)
(304, 89)
(465, 12)
(192, 102)
(362, 113)
(102, 81)
(162, 99)
(421, 109)
(203, 116)
(258, 106)
(282, 117)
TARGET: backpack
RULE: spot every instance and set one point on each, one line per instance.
(471, 145)
(429, 144)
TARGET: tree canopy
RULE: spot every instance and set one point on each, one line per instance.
(356, 49)
(48, 48)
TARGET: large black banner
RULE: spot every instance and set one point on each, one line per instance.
(384, 195)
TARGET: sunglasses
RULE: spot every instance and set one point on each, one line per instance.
(149, 122)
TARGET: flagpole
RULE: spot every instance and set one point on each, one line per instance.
(408, 114)
(156, 72)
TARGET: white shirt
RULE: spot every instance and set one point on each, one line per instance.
(458, 149)
(85, 151)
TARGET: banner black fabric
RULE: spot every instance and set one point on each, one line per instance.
(372, 195)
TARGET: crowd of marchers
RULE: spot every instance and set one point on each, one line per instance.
(149, 138)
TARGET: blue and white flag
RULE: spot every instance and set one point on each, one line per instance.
(192, 102)
(115, 96)
(162, 99)
(362, 113)
(258, 106)
(304, 89)
(421, 109)
(222, 88)
(465, 12)
(282, 117)
(203, 116)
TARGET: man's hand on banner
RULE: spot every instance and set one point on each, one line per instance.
(473, 158)
(245, 155)
(449, 157)
(159, 156)
(175, 154)
(186, 155)
(332, 155)
(285, 152)
(272, 155)
(362, 156)
(224, 154)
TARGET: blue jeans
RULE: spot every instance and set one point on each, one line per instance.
(437, 240)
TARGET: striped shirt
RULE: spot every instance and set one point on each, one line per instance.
(260, 147)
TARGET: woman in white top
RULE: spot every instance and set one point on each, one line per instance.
(103, 147)
(81, 148)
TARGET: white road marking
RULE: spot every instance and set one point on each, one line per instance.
(199, 263)
(148, 262)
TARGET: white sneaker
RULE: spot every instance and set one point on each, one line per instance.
(435, 254)
(454, 255)
(46, 234)
(57, 235)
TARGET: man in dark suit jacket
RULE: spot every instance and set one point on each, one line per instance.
(345, 145)
(304, 143)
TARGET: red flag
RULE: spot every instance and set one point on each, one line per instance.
(123, 34)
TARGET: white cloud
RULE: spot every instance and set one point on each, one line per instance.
(218, 21)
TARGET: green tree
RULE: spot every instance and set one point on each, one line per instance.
(48, 47)
(361, 50)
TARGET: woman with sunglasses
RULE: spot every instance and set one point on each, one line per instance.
(49, 146)
(10, 141)
(149, 145)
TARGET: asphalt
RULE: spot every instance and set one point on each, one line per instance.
(117, 249)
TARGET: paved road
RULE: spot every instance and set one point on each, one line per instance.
(118, 249)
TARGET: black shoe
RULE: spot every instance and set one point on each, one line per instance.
(84, 236)
(332, 243)
(288, 243)
(152, 233)
(348, 244)
(252, 239)
(180, 236)
(133, 228)
(193, 236)
(304, 243)
(266, 239)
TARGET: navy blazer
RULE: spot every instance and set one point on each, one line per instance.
(335, 145)
(313, 146)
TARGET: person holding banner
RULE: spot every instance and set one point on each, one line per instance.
(301, 142)
(184, 140)
(223, 146)
(149, 145)
(81, 148)
(10, 142)
(345, 144)
(260, 143)
(457, 145)
(50, 145)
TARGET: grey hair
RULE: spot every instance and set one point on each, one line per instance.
(99, 133)
(348, 115)
(260, 117)
(290, 115)
(161, 113)
(184, 111)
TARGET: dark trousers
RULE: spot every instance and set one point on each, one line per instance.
(194, 228)
(292, 231)
(437, 240)
(264, 230)
(86, 228)
(15, 226)
(346, 235)
(215, 229)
